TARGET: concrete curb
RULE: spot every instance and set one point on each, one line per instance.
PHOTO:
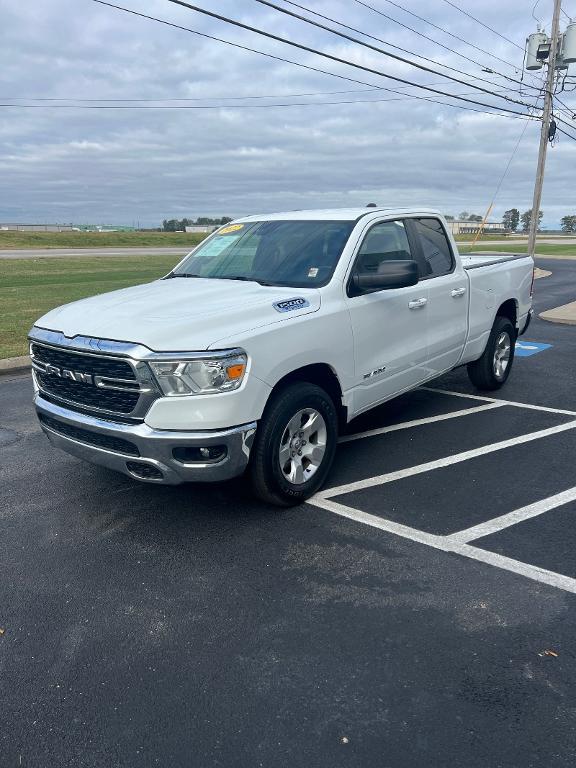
(539, 273)
(566, 314)
(14, 365)
(559, 256)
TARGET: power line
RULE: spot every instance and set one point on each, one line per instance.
(441, 29)
(203, 98)
(461, 10)
(92, 106)
(309, 50)
(570, 109)
(512, 156)
(399, 48)
(502, 177)
(238, 45)
(359, 42)
(564, 133)
(344, 61)
(564, 122)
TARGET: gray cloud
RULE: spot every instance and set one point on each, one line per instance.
(121, 165)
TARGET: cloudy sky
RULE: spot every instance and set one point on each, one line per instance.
(144, 165)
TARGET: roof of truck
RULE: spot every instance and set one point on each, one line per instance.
(336, 214)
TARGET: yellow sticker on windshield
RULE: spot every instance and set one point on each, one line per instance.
(231, 228)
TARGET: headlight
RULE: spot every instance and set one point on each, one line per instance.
(205, 376)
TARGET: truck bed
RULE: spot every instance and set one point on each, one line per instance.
(488, 258)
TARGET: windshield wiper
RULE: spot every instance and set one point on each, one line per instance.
(181, 274)
(244, 279)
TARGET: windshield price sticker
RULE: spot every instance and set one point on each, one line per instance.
(231, 228)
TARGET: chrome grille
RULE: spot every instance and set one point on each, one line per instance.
(96, 365)
(94, 382)
(87, 395)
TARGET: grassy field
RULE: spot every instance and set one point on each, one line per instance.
(30, 287)
(552, 251)
(14, 240)
(485, 238)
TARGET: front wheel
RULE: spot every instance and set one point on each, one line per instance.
(492, 370)
(295, 445)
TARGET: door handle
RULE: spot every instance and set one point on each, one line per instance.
(417, 303)
(458, 292)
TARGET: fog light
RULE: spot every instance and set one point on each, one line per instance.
(190, 455)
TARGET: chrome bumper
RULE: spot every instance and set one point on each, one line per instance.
(156, 462)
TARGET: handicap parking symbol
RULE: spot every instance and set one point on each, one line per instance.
(529, 348)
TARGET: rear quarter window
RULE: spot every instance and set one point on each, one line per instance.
(436, 251)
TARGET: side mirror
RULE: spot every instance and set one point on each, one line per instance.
(391, 274)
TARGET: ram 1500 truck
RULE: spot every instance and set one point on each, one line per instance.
(266, 339)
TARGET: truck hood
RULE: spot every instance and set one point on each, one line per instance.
(179, 314)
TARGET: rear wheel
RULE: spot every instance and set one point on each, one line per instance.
(295, 445)
(491, 371)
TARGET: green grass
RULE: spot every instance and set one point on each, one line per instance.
(553, 251)
(15, 240)
(463, 238)
(31, 287)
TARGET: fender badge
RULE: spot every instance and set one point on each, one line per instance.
(289, 305)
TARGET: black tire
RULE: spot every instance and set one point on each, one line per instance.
(267, 474)
(485, 373)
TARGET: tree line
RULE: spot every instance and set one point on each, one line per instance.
(512, 219)
(179, 225)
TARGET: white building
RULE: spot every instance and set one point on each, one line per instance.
(205, 229)
(471, 227)
(9, 227)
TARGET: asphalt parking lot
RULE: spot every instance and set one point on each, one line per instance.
(419, 612)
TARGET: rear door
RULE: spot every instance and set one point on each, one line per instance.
(447, 285)
(389, 326)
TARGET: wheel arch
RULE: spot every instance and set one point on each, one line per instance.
(509, 309)
(324, 376)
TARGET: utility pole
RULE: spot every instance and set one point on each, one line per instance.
(546, 115)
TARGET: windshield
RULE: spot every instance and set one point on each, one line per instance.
(299, 254)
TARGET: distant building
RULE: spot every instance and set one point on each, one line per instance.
(37, 228)
(472, 227)
(204, 229)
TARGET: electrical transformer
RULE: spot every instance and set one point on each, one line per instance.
(561, 62)
(533, 42)
(569, 49)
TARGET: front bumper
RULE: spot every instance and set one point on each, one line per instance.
(144, 453)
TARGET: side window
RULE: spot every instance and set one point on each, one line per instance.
(436, 249)
(387, 241)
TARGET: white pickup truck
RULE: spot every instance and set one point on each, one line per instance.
(267, 338)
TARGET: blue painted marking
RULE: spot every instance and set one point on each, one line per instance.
(529, 348)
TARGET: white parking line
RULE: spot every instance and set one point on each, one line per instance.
(389, 526)
(512, 518)
(530, 406)
(420, 422)
(448, 544)
(515, 566)
(447, 461)
(458, 543)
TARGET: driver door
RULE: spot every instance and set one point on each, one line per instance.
(389, 326)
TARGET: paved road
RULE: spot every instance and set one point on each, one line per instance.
(66, 253)
(191, 626)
